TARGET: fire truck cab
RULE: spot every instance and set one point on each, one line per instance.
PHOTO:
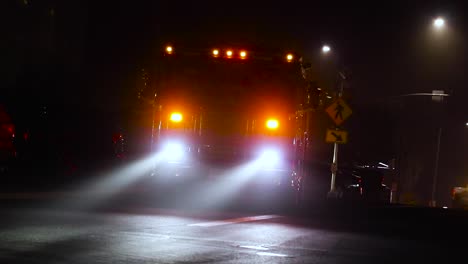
(223, 115)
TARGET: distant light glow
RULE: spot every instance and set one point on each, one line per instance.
(272, 124)
(289, 57)
(326, 49)
(176, 117)
(215, 52)
(169, 49)
(229, 53)
(466, 124)
(439, 23)
(445, 207)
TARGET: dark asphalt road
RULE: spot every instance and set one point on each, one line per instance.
(43, 232)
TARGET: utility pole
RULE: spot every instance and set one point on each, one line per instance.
(437, 96)
(436, 169)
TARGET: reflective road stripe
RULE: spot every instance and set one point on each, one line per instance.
(236, 220)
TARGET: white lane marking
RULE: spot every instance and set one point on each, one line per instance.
(269, 254)
(255, 247)
(235, 220)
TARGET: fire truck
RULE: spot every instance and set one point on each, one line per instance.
(220, 113)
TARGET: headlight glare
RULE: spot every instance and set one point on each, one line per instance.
(173, 151)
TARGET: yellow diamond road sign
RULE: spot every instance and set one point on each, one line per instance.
(336, 136)
(339, 111)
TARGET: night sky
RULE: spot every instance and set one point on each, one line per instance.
(89, 51)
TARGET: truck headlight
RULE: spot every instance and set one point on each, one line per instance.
(173, 151)
(270, 157)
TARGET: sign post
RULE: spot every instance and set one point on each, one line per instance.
(336, 136)
(338, 111)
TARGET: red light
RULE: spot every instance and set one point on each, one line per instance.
(116, 137)
(10, 128)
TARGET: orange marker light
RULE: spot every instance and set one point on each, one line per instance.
(272, 124)
(176, 117)
(215, 52)
(169, 49)
(229, 53)
(289, 57)
(243, 54)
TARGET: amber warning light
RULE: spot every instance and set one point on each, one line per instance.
(176, 117)
(272, 124)
(243, 54)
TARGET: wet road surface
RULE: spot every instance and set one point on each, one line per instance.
(118, 234)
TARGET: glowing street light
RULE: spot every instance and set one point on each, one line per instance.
(439, 23)
(169, 49)
(229, 53)
(215, 52)
(289, 57)
(326, 49)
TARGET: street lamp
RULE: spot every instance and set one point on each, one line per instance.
(438, 23)
(326, 49)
